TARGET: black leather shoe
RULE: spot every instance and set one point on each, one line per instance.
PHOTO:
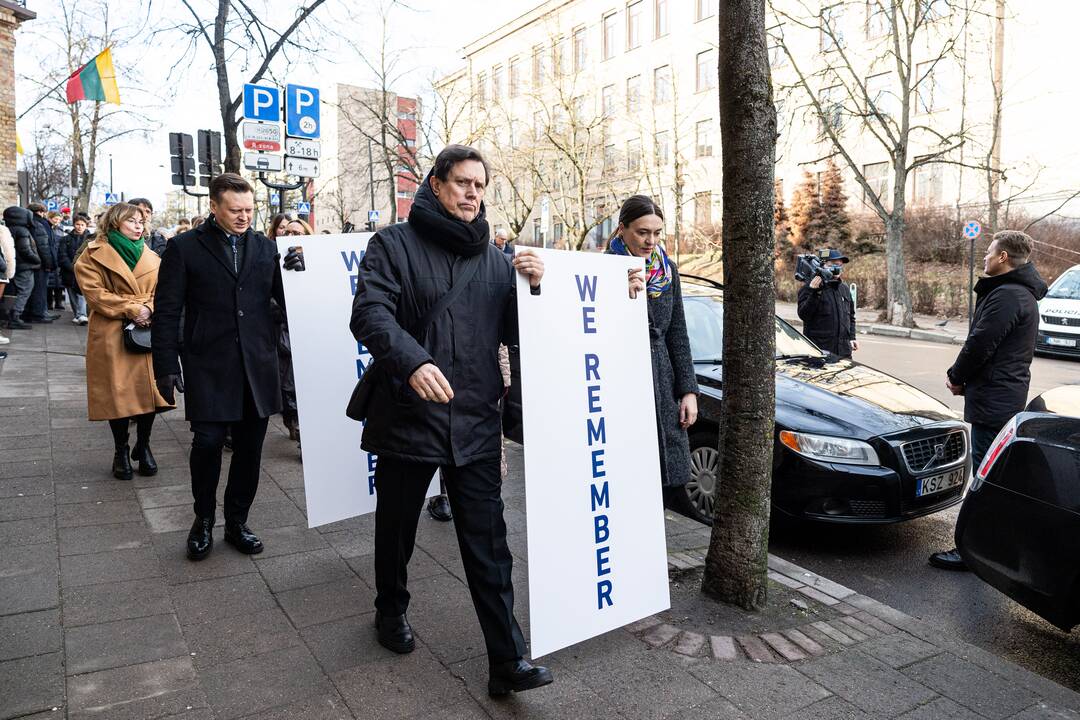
(948, 560)
(200, 540)
(395, 633)
(240, 537)
(17, 324)
(142, 455)
(438, 507)
(39, 320)
(517, 676)
(121, 466)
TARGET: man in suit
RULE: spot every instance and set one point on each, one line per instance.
(222, 275)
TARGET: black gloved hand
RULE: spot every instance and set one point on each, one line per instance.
(294, 259)
(166, 384)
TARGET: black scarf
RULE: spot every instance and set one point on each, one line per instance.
(432, 223)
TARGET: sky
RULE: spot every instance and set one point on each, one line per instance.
(430, 34)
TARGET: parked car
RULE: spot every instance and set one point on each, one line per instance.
(1059, 316)
(1019, 526)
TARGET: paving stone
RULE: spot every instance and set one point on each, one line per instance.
(899, 649)
(169, 519)
(389, 688)
(844, 609)
(32, 633)
(93, 604)
(108, 567)
(160, 689)
(98, 513)
(421, 567)
(28, 579)
(302, 569)
(443, 618)
(275, 513)
(345, 643)
(292, 539)
(716, 708)
(940, 709)
(24, 508)
(831, 708)
(219, 598)
(24, 487)
(723, 647)
(32, 531)
(1046, 711)
(867, 683)
(223, 560)
(876, 623)
(165, 496)
(350, 543)
(255, 684)
(239, 636)
(32, 468)
(690, 643)
(806, 643)
(761, 691)
(825, 640)
(815, 594)
(69, 493)
(643, 624)
(326, 706)
(970, 685)
(31, 684)
(123, 642)
(853, 632)
(755, 649)
(854, 622)
(322, 603)
(784, 647)
(784, 580)
(102, 538)
(660, 634)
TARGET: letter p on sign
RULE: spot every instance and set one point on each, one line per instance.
(301, 111)
(262, 102)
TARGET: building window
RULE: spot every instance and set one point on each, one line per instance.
(877, 20)
(538, 233)
(579, 50)
(557, 233)
(633, 24)
(538, 124)
(561, 52)
(610, 35)
(515, 77)
(879, 93)
(705, 9)
(633, 155)
(832, 33)
(703, 209)
(832, 110)
(926, 185)
(877, 177)
(607, 101)
(558, 119)
(481, 87)
(706, 71)
(660, 18)
(578, 106)
(663, 148)
(662, 89)
(633, 91)
(703, 138)
(928, 92)
(406, 194)
(609, 158)
(406, 115)
(539, 66)
(496, 83)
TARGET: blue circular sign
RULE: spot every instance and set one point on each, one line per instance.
(972, 229)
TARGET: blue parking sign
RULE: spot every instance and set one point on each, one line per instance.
(262, 102)
(301, 111)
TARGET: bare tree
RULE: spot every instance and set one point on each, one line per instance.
(47, 166)
(736, 563)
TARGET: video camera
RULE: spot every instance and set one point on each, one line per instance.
(807, 266)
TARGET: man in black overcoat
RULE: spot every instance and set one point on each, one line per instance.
(826, 309)
(221, 275)
(437, 402)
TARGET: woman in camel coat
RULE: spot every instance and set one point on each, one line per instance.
(118, 278)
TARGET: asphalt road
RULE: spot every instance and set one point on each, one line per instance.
(889, 562)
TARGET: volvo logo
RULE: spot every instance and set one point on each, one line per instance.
(939, 450)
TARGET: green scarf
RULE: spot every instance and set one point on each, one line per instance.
(129, 250)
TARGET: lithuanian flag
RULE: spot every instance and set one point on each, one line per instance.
(96, 80)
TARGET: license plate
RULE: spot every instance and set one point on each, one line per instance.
(939, 483)
(1063, 342)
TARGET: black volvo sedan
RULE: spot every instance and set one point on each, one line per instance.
(852, 444)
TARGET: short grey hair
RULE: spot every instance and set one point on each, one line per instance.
(502, 232)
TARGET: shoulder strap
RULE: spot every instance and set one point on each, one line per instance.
(463, 280)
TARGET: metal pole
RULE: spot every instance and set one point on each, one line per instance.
(971, 281)
(371, 175)
(110, 174)
(281, 199)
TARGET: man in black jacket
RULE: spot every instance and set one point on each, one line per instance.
(993, 369)
(154, 239)
(436, 403)
(37, 309)
(20, 222)
(222, 275)
(826, 309)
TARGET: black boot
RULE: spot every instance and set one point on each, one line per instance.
(142, 455)
(439, 508)
(239, 535)
(200, 540)
(516, 676)
(395, 633)
(948, 560)
(121, 466)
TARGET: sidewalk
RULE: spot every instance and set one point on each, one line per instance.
(928, 328)
(101, 616)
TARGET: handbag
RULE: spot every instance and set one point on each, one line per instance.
(136, 339)
(360, 400)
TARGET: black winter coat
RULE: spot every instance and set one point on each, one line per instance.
(46, 243)
(157, 242)
(20, 222)
(994, 366)
(402, 275)
(66, 250)
(229, 336)
(828, 316)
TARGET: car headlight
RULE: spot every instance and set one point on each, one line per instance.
(829, 449)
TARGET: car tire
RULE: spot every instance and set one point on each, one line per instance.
(698, 496)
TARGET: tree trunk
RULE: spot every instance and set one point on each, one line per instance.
(736, 564)
(896, 275)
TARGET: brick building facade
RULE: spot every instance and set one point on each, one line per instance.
(11, 15)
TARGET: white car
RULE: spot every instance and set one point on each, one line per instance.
(1059, 316)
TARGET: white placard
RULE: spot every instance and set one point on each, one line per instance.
(298, 147)
(262, 162)
(301, 167)
(339, 477)
(597, 547)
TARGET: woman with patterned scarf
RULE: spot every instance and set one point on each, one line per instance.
(641, 226)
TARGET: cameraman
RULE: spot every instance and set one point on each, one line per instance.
(826, 309)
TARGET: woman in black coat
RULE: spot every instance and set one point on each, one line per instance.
(641, 226)
(66, 250)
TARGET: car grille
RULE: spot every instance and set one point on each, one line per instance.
(869, 508)
(1059, 320)
(918, 453)
(1042, 344)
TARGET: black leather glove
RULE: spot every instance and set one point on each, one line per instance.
(166, 384)
(294, 259)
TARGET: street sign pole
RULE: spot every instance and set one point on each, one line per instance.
(972, 230)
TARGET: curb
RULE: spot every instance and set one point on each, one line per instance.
(897, 332)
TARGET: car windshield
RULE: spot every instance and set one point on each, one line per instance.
(705, 326)
(1066, 287)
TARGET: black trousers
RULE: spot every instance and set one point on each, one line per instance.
(475, 498)
(206, 445)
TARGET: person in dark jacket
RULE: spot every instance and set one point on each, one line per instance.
(66, 251)
(20, 222)
(222, 276)
(37, 309)
(55, 294)
(154, 239)
(826, 309)
(993, 369)
(675, 388)
(437, 401)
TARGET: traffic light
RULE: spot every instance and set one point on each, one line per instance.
(209, 156)
(182, 158)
